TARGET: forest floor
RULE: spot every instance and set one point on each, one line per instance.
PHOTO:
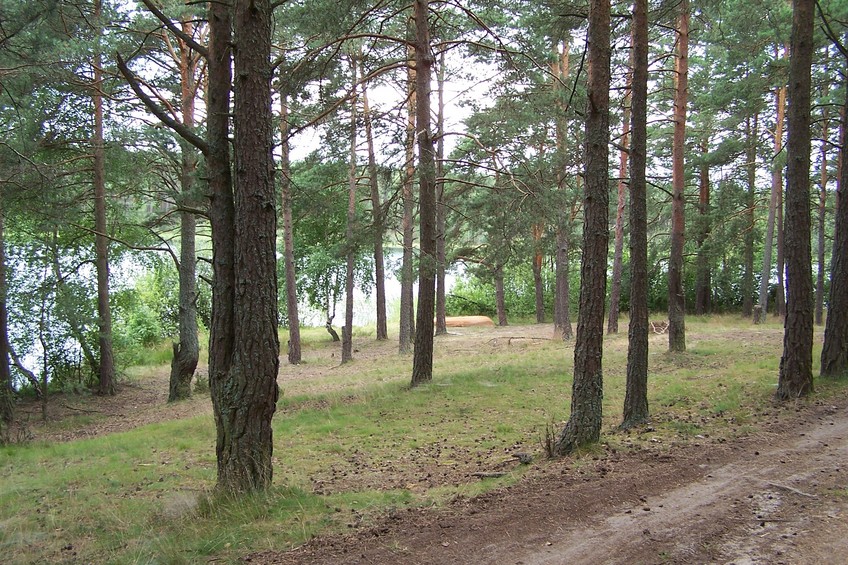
(776, 495)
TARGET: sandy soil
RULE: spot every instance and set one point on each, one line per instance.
(779, 495)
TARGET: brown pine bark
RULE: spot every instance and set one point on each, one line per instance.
(780, 310)
(347, 329)
(796, 364)
(422, 362)
(562, 299)
(822, 209)
(377, 222)
(538, 260)
(636, 394)
(294, 348)
(774, 202)
(752, 134)
(500, 296)
(584, 424)
(703, 290)
(106, 376)
(834, 355)
(244, 356)
(406, 327)
(7, 401)
(621, 204)
(441, 209)
(187, 350)
(676, 294)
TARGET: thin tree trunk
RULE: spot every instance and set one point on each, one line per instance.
(834, 355)
(636, 395)
(500, 298)
(441, 210)
(584, 423)
(780, 311)
(377, 223)
(106, 376)
(347, 329)
(822, 208)
(796, 364)
(676, 294)
(406, 329)
(294, 349)
(187, 350)
(752, 133)
(621, 204)
(703, 289)
(538, 260)
(7, 403)
(776, 189)
(422, 363)
(562, 299)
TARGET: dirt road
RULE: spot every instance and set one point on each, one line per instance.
(778, 496)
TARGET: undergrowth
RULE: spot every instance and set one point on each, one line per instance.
(369, 446)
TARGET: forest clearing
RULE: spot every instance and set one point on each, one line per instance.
(368, 470)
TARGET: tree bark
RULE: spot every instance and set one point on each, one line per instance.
(621, 204)
(406, 329)
(441, 210)
(347, 329)
(562, 298)
(834, 355)
(780, 310)
(584, 424)
(776, 189)
(538, 260)
(377, 223)
(294, 349)
(106, 376)
(822, 209)
(752, 134)
(7, 401)
(676, 294)
(244, 355)
(187, 350)
(500, 298)
(636, 395)
(796, 374)
(422, 363)
(703, 290)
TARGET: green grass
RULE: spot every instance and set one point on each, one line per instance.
(364, 446)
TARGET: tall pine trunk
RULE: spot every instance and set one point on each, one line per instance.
(538, 261)
(834, 355)
(106, 376)
(636, 395)
(703, 290)
(774, 202)
(294, 349)
(796, 364)
(187, 350)
(752, 134)
(422, 361)
(562, 299)
(406, 326)
(7, 401)
(244, 344)
(621, 204)
(584, 424)
(441, 209)
(676, 294)
(350, 259)
(822, 209)
(376, 221)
